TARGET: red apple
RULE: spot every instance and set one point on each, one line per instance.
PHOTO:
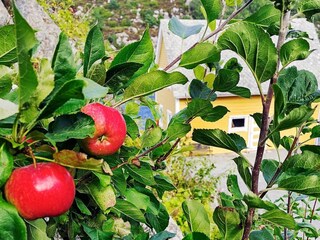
(110, 130)
(44, 190)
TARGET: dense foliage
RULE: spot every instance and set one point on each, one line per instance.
(118, 196)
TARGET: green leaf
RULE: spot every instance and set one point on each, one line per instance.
(12, 226)
(26, 41)
(279, 217)
(97, 73)
(268, 168)
(77, 126)
(8, 48)
(306, 225)
(140, 200)
(216, 138)
(164, 183)
(128, 209)
(7, 108)
(244, 167)
(199, 72)
(296, 49)
(37, 230)
(254, 46)
(240, 91)
(143, 174)
(102, 193)
(177, 129)
(196, 236)
(69, 90)
(152, 82)
(228, 222)
(119, 180)
(182, 30)
(132, 127)
(138, 52)
(254, 201)
(306, 160)
(263, 234)
(295, 118)
(120, 76)
(199, 89)
(151, 137)
(303, 182)
(82, 207)
(226, 80)
(298, 87)
(212, 8)
(233, 186)
(309, 7)
(162, 236)
(201, 53)
(197, 216)
(266, 16)
(6, 164)
(5, 84)
(215, 114)
(160, 220)
(96, 234)
(93, 49)
(315, 132)
(92, 90)
(72, 106)
(63, 63)
(46, 81)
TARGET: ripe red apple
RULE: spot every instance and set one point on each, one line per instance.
(110, 130)
(44, 190)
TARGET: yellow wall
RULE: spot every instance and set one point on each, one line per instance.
(237, 107)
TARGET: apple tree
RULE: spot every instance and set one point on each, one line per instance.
(81, 116)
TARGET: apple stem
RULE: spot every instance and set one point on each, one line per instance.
(30, 152)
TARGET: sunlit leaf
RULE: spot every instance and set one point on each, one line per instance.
(37, 230)
(139, 52)
(6, 163)
(197, 216)
(296, 49)
(93, 49)
(279, 217)
(152, 82)
(8, 48)
(254, 46)
(12, 225)
(128, 209)
(212, 8)
(201, 53)
(228, 222)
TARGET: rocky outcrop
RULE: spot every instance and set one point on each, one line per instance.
(5, 18)
(47, 31)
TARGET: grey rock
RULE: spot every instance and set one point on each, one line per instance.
(47, 31)
(5, 18)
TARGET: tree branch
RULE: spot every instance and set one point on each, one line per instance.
(265, 123)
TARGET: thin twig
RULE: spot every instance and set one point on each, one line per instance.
(164, 157)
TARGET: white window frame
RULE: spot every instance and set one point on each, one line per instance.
(238, 129)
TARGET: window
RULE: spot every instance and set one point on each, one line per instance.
(238, 123)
